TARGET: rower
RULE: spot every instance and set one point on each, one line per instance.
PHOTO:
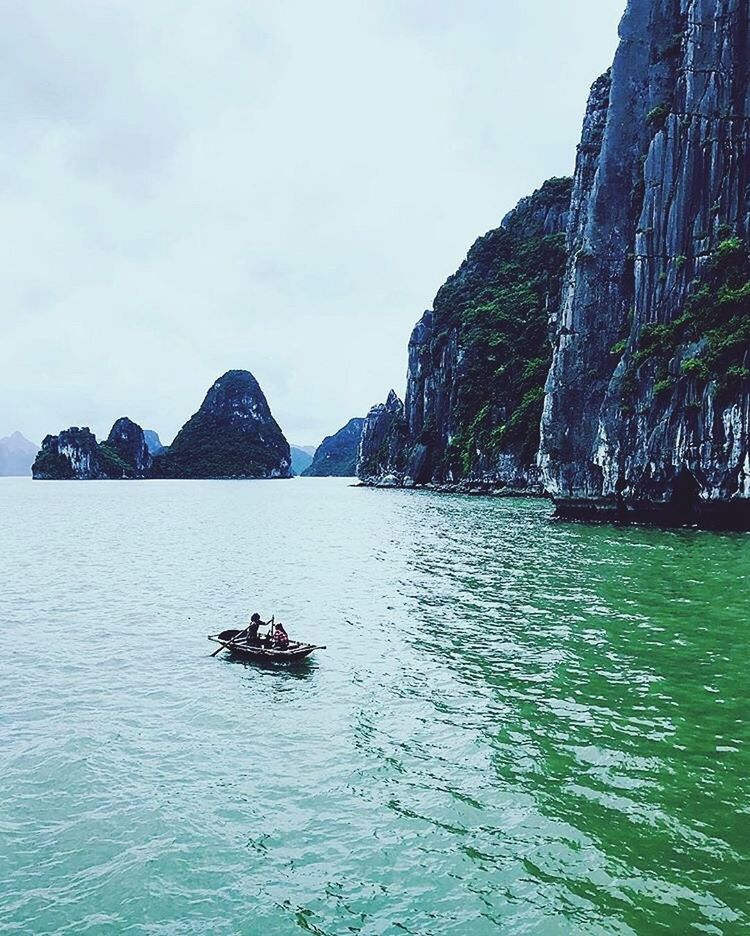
(251, 633)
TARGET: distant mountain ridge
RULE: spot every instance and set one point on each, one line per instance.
(301, 458)
(17, 455)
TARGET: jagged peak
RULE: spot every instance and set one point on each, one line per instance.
(393, 402)
(124, 426)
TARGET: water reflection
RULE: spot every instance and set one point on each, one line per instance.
(299, 669)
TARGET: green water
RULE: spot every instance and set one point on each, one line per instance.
(518, 727)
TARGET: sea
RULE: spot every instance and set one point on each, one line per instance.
(518, 726)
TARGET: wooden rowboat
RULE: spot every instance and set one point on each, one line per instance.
(295, 650)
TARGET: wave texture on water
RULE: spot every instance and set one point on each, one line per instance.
(518, 726)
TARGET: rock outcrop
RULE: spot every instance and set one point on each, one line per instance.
(383, 444)
(17, 455)
(233, 435)
(128, 441)
(478, 360)
(74, 454)
(336, 456)
(647, 406)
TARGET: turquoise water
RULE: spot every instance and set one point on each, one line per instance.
(518, 727)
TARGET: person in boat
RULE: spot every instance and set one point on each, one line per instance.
(280, 638)
(250, 633)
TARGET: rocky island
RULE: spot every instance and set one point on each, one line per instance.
(74, 454)
(336, 456)
(381, 455)
(233, 435)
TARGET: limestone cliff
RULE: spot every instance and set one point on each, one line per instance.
(383, 443)
(336, 456)
(128, 441)
(477, 360)
(233, 435)
(74, 454)
(647, 406)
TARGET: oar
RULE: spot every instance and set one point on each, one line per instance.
(224, 645)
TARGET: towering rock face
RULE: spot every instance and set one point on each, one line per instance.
(383, 443)
(233, 435)
(74, 454)
(128, 441)
(16, 455)
(478, 359)
(647, 406)
(336, 456)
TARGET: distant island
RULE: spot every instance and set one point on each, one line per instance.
(336, 456)
(16, 455)
(233, 435)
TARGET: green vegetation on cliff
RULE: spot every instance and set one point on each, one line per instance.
(499, 304)
(478, 361)
(715, 323)
(233, 435)
(507, 354)
(204, 450)
(51, 464)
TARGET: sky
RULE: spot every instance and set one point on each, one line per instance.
(191, 187)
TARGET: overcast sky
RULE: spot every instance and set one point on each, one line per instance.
(283, 186)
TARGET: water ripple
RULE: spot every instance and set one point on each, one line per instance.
(518, 727)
